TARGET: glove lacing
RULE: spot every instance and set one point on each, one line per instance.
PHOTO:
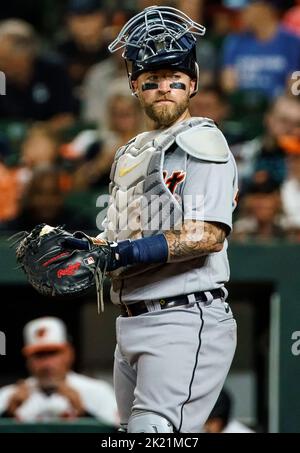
(99, 280)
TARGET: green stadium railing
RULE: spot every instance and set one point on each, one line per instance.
(84, 425)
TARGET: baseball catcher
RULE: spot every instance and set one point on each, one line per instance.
(164, 244)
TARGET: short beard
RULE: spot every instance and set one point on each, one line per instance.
(167, 114)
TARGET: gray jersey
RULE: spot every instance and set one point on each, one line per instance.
(191, 180)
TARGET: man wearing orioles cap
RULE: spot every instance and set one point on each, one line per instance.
(53, 391)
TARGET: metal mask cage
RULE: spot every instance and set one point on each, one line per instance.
(157, 30)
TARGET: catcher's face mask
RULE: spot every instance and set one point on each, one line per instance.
(159, 37)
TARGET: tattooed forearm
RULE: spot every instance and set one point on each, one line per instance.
(195, 239)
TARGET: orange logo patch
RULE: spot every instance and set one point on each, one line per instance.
(176, 178)
(41, 332)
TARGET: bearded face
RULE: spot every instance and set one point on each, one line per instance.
(164, 112)
(164, 104)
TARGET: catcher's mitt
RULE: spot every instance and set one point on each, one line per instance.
(56, 264)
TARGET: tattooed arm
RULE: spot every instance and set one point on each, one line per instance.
(195, 239)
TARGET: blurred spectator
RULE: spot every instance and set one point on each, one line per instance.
(10, 192)
(85, 43)
(99, 81)
(266, 153)
(291, 20)
(31, 11)
(264, 56)
(39, 149)
(37, 87)
(124, 120)
(222, 20)
(290, 191)
(206, 52)
(193, 9)
(43, 201)
(210, 102)
(282, 119)
(53, 391)
(261, 211)
(220, 420)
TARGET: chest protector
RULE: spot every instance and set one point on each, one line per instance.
(141, 204)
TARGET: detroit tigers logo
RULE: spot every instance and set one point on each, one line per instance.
(174, 180)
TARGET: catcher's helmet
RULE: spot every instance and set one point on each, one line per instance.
(159, 37)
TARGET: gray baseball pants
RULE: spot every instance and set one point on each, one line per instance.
(174, 362)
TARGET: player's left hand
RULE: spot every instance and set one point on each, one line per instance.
(107, 251)
(57, 262)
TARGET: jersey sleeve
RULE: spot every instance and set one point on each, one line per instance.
(210, 190)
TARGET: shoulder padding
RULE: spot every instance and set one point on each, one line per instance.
(204, 143)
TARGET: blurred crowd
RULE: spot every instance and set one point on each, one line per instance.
(67, 107)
